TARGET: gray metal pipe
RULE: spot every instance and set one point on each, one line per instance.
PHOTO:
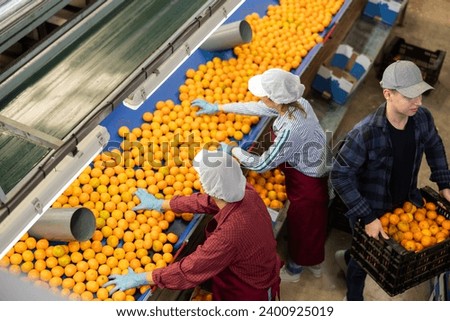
(228, 36)
(65, 224)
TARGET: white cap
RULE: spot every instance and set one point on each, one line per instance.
(282, 87)
(220, 175)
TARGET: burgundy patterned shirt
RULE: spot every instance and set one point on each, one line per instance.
(240, 243)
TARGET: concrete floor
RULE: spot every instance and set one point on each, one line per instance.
(425, 26)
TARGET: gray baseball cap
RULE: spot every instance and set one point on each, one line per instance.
(405, 77)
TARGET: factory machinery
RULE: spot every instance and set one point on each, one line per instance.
(64, 67)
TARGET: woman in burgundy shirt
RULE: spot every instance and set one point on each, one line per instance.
(239, 254)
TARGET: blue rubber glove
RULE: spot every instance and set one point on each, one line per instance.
(205, 107)
(148, 201)
(126, 281)
(226, 148)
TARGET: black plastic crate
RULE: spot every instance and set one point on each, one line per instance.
(429, 62)
(392, 266)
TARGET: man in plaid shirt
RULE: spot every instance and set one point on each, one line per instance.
(378, 165)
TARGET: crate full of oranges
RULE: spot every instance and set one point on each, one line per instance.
(418, 247)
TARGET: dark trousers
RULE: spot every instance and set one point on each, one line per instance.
(356, 279)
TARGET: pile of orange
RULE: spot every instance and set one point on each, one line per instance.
(416, 228)
(270, 186)
(281, 39)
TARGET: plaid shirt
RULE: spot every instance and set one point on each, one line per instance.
(241, 243)
(362, 170)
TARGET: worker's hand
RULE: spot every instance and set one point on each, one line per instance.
(445, 193)
(148, 201)
(374, 229)
(205, 107)
(226, 148)
(124, 282)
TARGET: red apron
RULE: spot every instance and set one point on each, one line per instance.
(306, 216)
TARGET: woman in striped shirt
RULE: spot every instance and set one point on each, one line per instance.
(299, 149)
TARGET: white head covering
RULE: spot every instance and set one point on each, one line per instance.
(282, 87)
(220, 175)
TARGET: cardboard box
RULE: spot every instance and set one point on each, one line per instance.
(383, 10)
(338, 77)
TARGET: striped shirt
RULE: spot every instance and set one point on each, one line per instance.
(299, 141)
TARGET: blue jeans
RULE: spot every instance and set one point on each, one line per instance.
(356, 279)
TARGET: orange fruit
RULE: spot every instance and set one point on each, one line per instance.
(167, 248)
(104, 269)
(418, 236)
(79, 276)
(439, 219)
(398, 211)
(167, 257)
(430, 206)
(432, 214)
(58, 251)
(20, 247)
(57, 271)
(33, 274)
(426, 241)
(39, 265)
(51, 262)
(87, 296)
(79, 287)
(31, 243)
(407, 207)
(408, 235)
(73, 246)
(27, 256)
(419, 216)
(187, 216)
(45, 275)
(70, 270)
(424, 224)
(434, 229)
(405, 217)
(157, 246)
(102, 293)
(410, 245)
(446, 224)
(26, 267)
(68, 283)
(172, 237)
(118, 296)
(55, 281)
(102, 279)
(403, 226)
